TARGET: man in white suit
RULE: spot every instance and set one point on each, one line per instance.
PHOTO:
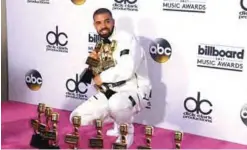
(129, 78)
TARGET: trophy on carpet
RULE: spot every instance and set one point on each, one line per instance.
(73, 138)
(52, 134)
(97, 142)
(178, 139)
(48, 114)
(38, 140)
(123, 132)
(148, 133)
(44, 128)
(97, 65)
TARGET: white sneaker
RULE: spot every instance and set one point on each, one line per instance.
(114, 131)
(129, 137)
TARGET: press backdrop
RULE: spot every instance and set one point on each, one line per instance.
(199, 86)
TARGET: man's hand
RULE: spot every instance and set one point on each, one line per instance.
(94, 55)
(97, 80)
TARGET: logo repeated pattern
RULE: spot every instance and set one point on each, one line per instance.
(162, 47)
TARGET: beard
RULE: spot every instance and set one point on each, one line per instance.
(107, 34)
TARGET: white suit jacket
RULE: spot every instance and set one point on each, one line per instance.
(131, 65)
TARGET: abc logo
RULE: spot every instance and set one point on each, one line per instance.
(126, 1)
(78, 2)
(33, 80)
(243, 114)
(160, 50)
(243, 4)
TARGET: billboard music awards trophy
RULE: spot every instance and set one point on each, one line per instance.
(96, 66)
(73, 138)
(52, 134)
(48, 113)
(148, 133)
(97, 142)
(123, 131)
(38, 140)
(178, 139)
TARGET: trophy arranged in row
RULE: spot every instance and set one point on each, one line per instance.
(45, 135)
(178, 139)
(97, 142)
(123, 129)
(73, 138)
(149, 131)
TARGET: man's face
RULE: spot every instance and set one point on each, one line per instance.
(104, 24)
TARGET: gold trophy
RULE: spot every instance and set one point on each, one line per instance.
(178, 139)
(52, 134)
(106, 62)
(48, 114)
(93, 63)
(101, 63)
(37, 140)
(123, 131)
(97, 142)
(148, 133)
(73, 138)
(107, 55)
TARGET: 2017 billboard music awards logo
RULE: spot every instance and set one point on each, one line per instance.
(57, 41)
(128, 5)
(220, 57)
(78, 2)
(39, 1)
(76, 89)
(196, 6)
(243, 114)
(33, 80)
(93, 38)
(198, 109)
(160, 50)
(243, 13)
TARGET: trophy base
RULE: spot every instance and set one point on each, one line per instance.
(53, 147)
(36, 141)
(96, 143)
(92, 62)
(119, 146)
(143, 147)
(44, 144)
(178, 146)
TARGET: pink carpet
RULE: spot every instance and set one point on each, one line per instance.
(16, 132)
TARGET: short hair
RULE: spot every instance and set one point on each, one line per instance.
(102, 11)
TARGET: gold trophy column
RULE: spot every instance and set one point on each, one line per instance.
(73, 138)
(53, 134)
(178, 139)
(37, 139)
(148, 133)
(123, 132)
(97, 142)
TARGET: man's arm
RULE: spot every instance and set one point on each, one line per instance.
(130, 58)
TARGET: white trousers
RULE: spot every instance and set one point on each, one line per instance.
(121, 107)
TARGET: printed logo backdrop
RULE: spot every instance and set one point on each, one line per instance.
(196, 56)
